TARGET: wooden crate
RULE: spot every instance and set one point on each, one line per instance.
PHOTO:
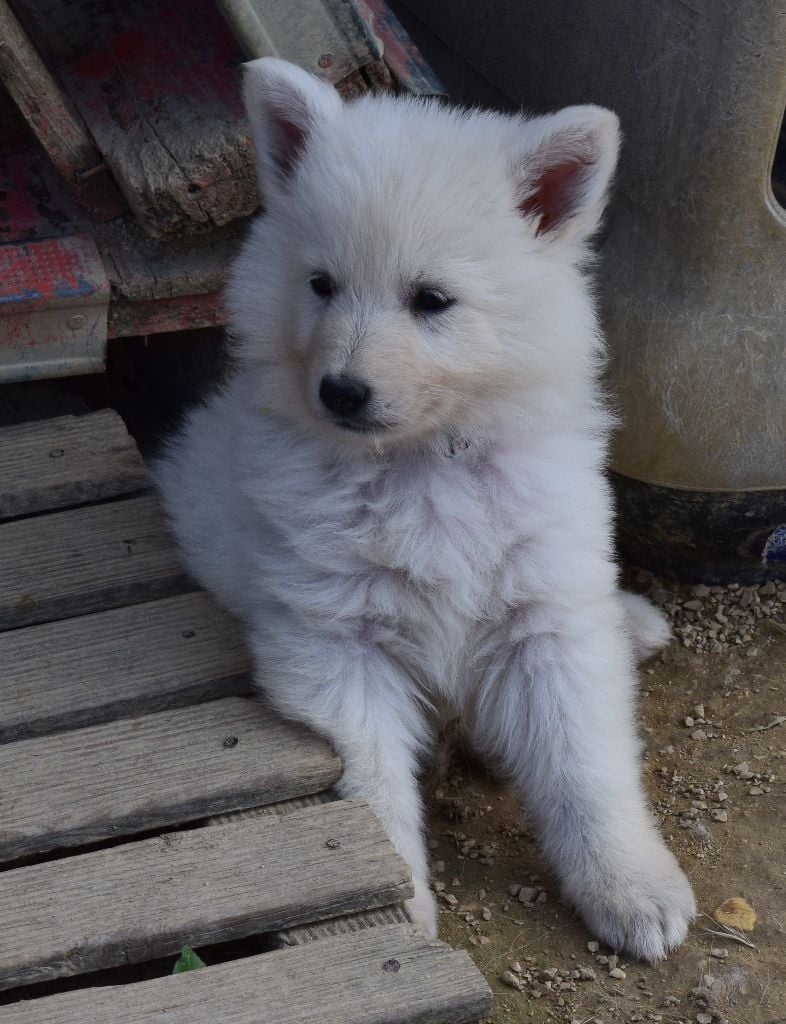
(149, 801)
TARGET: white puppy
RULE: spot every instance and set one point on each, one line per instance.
(401, 491)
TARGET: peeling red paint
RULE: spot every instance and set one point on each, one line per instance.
(49, 270)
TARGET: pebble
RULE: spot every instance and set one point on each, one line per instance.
(720, 815)
(617, 972)
(689, 722)
(703, 1018)
(511, 980)
(715, 619)
(755, 791)
(485, 914)
(698, 734)
(593, 947)
(719, 954)
(527, 895)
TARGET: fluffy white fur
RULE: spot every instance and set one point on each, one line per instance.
(455, 557)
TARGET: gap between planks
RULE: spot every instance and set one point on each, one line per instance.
(144, 900)
(391, 975)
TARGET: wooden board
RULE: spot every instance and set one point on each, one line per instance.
(197, 887)
(86, 560)
(69, 460)
(390, 975)
(158, 86)
(96, 668)
(144, 773)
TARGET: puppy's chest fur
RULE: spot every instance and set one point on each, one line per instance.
(430, 545)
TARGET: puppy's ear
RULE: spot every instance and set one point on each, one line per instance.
(564, 168)
(284, 105)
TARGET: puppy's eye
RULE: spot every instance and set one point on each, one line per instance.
(430, 300)
(322, 285)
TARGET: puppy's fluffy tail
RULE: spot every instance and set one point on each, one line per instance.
(647, 626)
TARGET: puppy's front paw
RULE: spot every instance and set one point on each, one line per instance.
(645, 913)
(423, 909)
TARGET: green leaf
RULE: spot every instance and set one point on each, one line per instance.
(188, 961)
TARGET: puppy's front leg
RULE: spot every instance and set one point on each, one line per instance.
(350, 691)
(556, 706)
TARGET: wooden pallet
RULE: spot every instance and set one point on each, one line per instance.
(148, 801)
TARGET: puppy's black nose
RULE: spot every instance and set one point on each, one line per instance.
(344, 396)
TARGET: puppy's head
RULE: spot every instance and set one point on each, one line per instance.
(417, 267)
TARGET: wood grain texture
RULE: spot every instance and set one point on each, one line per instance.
(282, 807)
(97, 668)
(87, 560)
(163, 104)
(345, 925)
(143, 773)
(144, 900)
(70, 460)
(349, 980)
(51, 115)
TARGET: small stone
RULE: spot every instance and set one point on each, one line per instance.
(613, 961)
(718, 953)
(587, 974)
(720, 815)
(699, 735)
(755, 791)
(703, 1018)
(516, 967)
(485, 914)
(449, 898)
(700, 590)
(593, 947)
(514, 889)
(527, 894)
(511, 980)
(617, 972)
(699, 711)
(689, 722)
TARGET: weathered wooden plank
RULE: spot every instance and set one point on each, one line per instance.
(199, 887)
(53, 119)
(86, 560)
(143, 773)
(96, 668)
(70, 460)
(390, 975)
(162, 103)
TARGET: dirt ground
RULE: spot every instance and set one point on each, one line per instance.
(717, 787)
